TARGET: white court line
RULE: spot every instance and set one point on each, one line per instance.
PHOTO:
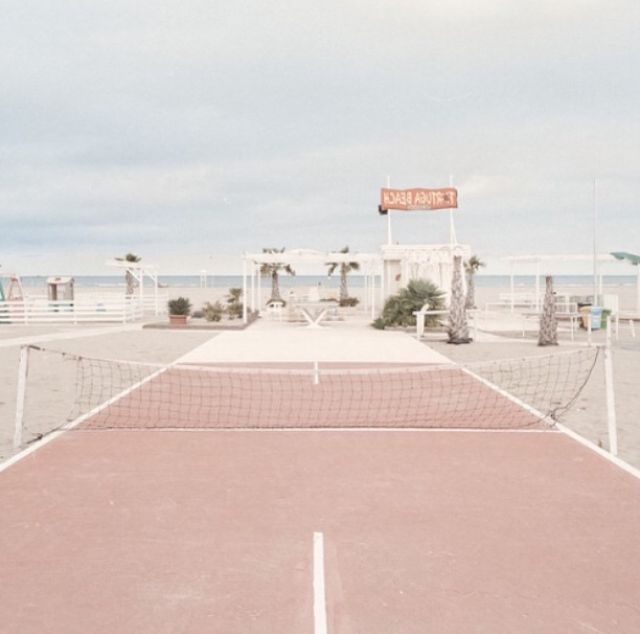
(319, 594)
(311, 430)
(65, 428)
(45, 440)
(600, 451)
(561, 428)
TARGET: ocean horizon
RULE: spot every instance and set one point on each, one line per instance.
(287, 281)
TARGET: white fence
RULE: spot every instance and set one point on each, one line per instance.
(87, 309)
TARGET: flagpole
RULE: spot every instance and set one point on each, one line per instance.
(452, 228)
(595, 242)
(389, 236)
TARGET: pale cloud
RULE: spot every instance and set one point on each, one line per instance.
(214, 128)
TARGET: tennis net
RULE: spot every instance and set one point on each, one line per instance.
(64, 390)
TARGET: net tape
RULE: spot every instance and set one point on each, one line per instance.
(504, 394)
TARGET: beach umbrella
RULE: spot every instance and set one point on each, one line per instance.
(548, 335)
(458, 327)
(634, 260)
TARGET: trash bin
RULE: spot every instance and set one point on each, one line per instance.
(585, 315)
(596, 318)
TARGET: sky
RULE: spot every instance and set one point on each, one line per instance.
(190, 131)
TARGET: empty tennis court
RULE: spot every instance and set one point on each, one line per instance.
(376, 530)
(424, 532)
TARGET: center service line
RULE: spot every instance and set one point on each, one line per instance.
(319, 597)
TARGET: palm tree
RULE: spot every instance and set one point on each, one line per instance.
(471, 267)
(272, 270)
(548, 335)
(458, 326)
(345, 269)
(132, 283)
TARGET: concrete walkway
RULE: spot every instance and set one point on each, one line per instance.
(283, 342)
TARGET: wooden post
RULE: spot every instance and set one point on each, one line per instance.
(611, 398)
(23, 371)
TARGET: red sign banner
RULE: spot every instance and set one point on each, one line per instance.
(408, 199)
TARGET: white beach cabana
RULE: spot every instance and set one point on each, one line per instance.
(371, 266)
(406, 262)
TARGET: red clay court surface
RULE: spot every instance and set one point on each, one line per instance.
(424, 531)
(270, 395)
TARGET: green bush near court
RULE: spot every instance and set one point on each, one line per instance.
(399, 308)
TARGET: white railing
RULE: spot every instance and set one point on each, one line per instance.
(42, 311)
(151, 307)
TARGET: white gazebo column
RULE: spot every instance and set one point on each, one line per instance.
(372, 285)
(537, 285)
(511, 288)
(155, 294)
(244, 289)
(141, 282)
(253, 288)
(366, 290)
(259, 290)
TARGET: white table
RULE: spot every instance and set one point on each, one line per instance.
(572, 318)
(314, 312)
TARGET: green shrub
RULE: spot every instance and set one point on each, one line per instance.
(197, 314)
(213, 312)
(378, 323)
(349, 301)
(398, 309)
(179, 306)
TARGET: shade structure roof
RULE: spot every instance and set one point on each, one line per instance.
(602, 257)
(300, 256)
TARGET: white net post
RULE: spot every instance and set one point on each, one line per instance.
(316, 373)
(23, 371)
(612, 427)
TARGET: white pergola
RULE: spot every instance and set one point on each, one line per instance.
(139, 272)
(542, 263)
(371, 265)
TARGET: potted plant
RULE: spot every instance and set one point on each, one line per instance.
(179, 310)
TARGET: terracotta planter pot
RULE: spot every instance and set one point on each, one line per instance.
(178, 320)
